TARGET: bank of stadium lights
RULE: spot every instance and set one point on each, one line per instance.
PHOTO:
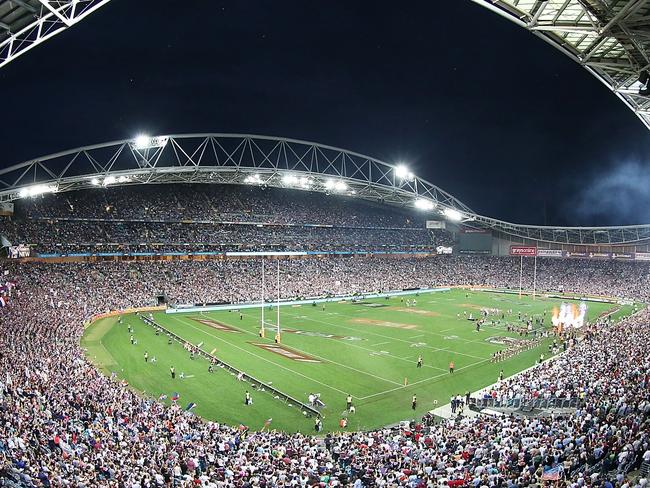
(403, 173)
(453, 214)
(253, 179)
(335, 185)
(296, 181)
(110, 180)
(143, 141)
(424, 204)
(34, 191)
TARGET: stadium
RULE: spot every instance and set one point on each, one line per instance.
(223, 309)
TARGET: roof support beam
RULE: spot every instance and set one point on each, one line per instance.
(57, 14)
(25, 5)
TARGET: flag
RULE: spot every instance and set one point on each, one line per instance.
(3, 301)
(190, 406)
(552, 473)
(175, 396)
(162, 397)
(267, 422)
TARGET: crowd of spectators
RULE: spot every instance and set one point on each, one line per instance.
(163, 218)
(121, 284)
(63, 423)
(215, 203)
(64, 236)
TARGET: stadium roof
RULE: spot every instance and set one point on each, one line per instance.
(273, 162)
(609, 38)
(24, 24)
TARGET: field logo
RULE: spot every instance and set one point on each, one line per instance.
(324, 335)
(502, 340)
(286, 352)
(216, 325)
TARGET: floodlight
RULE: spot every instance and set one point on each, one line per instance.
(304, 182)
(453, 214)
(253, 179)
(335, 185)
(32, 191)
(424, 204)
(403, 173)
(143, 141)
(290, 180)
(95, 181)
(340, 186)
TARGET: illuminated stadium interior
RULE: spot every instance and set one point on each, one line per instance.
(238, 310)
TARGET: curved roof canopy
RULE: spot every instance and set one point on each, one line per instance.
(26, 23)
(609, 38)
(274, 162)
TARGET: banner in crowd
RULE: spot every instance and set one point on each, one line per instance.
(622, 255)
(642, 256)
(523, 251)
(444, 250)
(572, 254)
(436, 224)
(600, 255)
(550, 253)
(15, 252)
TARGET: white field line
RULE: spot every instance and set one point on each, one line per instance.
(325, 359)
(435, 349)
(420, 381)
(351, 344)
(260, 357)
(330, 360)
(380, 344)
(438, 334)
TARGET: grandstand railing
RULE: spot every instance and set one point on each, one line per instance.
(288, 399)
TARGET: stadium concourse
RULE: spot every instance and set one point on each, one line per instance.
(63, 423)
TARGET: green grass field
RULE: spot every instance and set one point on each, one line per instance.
(362, 349)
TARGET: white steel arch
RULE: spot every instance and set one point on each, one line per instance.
(225, 159)
(24, 24)
(274, 162)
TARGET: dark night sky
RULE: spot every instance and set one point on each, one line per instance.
(470, 101)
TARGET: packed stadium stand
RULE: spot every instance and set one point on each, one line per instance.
(167, 218)
(66, 424)
(63, 423)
